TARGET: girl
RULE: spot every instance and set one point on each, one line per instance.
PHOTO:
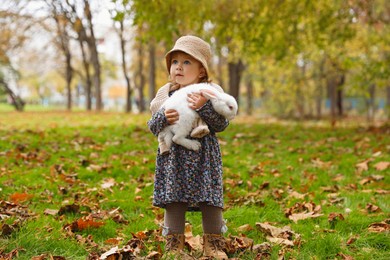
(186, 179)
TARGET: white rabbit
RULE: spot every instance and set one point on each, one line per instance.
(222, 103)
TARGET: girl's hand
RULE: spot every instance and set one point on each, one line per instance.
(172, 116)
(196, 100)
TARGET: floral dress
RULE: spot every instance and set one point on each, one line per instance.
(189, 176)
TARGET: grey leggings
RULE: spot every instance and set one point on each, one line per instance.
(174, 219)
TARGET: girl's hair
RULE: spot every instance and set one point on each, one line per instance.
(205, 79)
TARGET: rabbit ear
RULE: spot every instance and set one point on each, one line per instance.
(209, 94)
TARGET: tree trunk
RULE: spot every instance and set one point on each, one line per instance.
(64, 45)
(332, 86)
(370, 102)
(340, 96)
(70, 12)
(235, 73)
(319, 89)
(152, 70)
(69, 76)
(220, 70)
(88, 83)
(17, 102)
(124, 67)
(249, 86)
(94, 56)
(388, 101)
(299, 96)
(141, 79)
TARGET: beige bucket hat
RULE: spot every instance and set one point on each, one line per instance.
(194, 46)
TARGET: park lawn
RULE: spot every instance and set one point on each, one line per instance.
(77, 184)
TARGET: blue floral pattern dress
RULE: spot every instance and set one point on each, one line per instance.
(189, 176)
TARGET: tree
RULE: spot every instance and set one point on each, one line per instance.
(62, 40)
(84, 29)
(122, 10)
(13, 36)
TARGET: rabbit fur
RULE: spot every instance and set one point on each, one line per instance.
(222, 103)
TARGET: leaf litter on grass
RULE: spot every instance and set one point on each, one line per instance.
(298, 170)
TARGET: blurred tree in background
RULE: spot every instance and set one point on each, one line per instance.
(301, 59)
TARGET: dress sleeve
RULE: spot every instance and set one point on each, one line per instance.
(215, 121)
(158, 122)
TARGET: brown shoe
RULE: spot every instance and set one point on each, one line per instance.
(174, 248)
(213, 246)
(175, 243)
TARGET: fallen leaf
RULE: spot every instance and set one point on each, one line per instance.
(371, 208)
(302, 216)
(263, 250)
(381, 166)
(20, 197)
(193, 243)
(363, 166)
(51, 212)
(284, 236)
(379, 227)
(280, 241)
(73, 208)
(154, 255)
(112, 241)
(334, 216)
(108, 183)
(236, 243)
(320, 164)
(297, 195)
(352, 240)
(244, 228)
(84, 223)
(345, 257)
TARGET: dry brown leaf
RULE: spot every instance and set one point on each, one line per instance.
(371, 208)
(280, 241)
(154, 255)
(84, 223)
(51, 212)
(378, 227)
(73, 208)
(303, 208)
(262, 250)
(108, 183)
(302, 216)
(244, 228)
(297, 195)
(334, 216)
(345, 257)
(320, 164)
(20, 197)
(352, 240)
(284, 236)
(193, 243)
(113, 241)
(381, 166)
(239, 243)
(363, 166)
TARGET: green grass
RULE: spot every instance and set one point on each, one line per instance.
(62, 158)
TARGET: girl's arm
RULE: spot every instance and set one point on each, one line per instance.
(158, 122)
(215, 121)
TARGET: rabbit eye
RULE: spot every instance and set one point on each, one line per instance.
(231, 107)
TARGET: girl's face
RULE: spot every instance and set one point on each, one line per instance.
(185, 70)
